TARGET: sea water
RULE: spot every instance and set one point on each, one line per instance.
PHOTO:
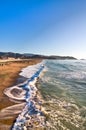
(63, 87)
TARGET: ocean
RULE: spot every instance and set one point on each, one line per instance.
(63, 87)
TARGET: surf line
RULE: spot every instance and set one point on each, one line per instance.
(32, 115)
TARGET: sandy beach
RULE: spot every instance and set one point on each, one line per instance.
(9, 76)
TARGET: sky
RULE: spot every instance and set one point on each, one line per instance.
(48, 27)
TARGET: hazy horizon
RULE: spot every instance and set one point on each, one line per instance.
(46, 27)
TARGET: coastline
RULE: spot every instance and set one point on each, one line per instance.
(11, 77)
(32, 115)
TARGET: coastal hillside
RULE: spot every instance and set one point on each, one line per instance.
(7, 55)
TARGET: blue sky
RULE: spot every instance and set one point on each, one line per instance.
(52, 27)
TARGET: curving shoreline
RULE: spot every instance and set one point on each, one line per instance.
(8, 106)
(31, 116)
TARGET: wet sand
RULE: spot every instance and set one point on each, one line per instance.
(9, 76)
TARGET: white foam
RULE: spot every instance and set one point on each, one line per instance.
(29, 71)
(20, 96)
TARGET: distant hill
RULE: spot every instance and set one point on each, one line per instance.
(28, 54)
(6, 55)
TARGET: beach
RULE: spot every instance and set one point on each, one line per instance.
(9, 76)
(49, 94)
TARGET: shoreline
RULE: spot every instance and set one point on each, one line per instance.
(32, 115)
(11, 80)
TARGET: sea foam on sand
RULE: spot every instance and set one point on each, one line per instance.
(32, 115)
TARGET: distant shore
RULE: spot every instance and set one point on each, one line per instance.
(9, 75)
